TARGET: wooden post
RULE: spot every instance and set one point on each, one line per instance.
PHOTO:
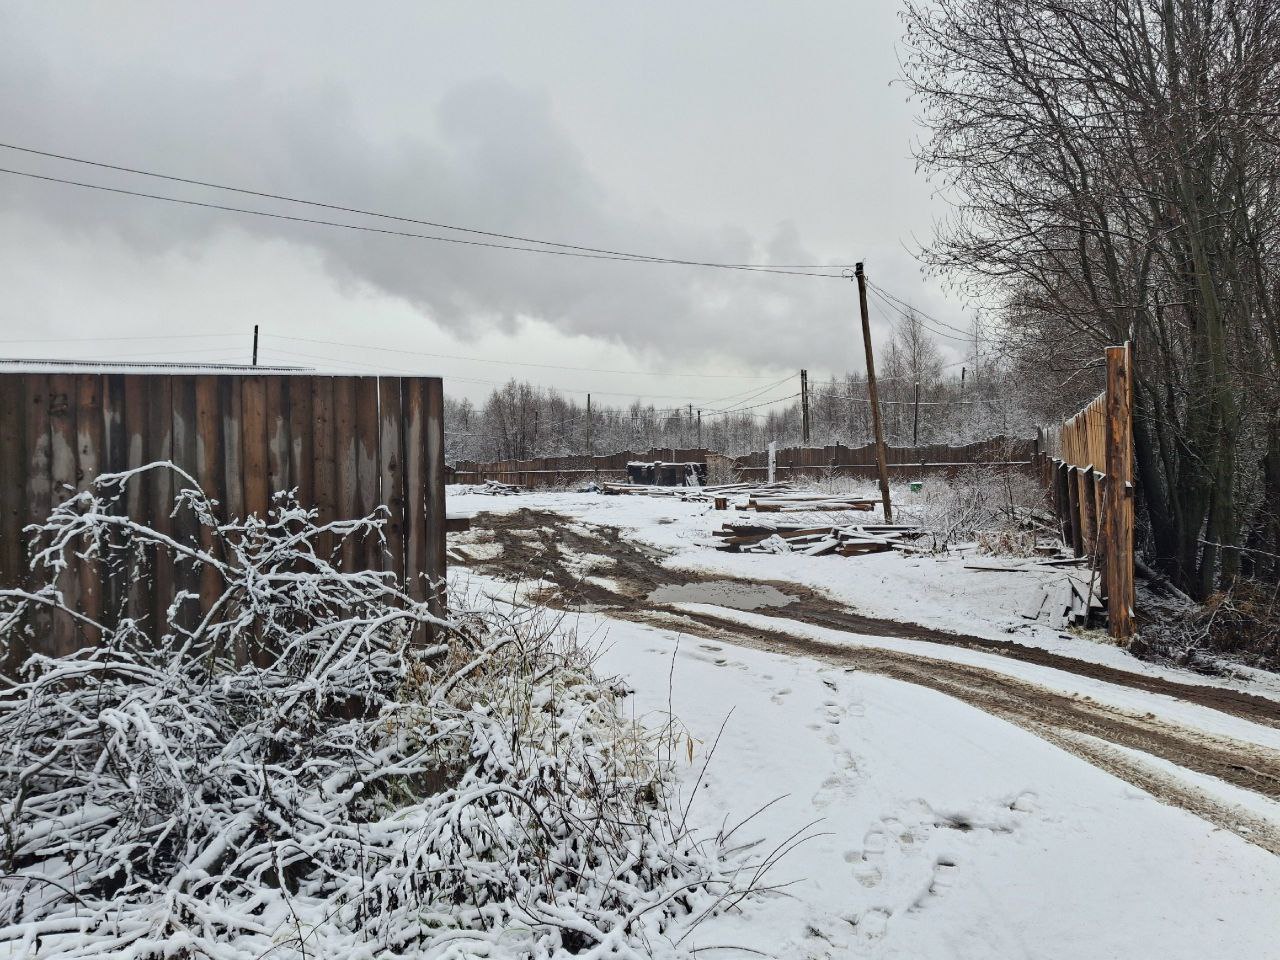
(433, 468)
(881, 462)
(1088, 512)
(1062, 505)
(1118, 492)
(804, 406)
(1073, 510)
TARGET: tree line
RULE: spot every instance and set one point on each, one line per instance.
(923, 401)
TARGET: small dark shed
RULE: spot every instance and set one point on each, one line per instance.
(663, 474)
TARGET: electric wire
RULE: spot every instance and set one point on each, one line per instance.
(402, 219)
(404, 234)
(516, 363)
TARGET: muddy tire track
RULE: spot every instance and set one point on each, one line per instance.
(546, 546)
(531, 542)
(1081, 726)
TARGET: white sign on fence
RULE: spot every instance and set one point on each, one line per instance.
(773, 459)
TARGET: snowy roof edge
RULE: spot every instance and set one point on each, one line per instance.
(128, 366)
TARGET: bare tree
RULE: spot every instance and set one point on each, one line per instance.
(1114, 167)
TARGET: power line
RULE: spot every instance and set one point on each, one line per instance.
(415, 236)
(519, 363)
(372, 368)
(402, 219)
(772, 386)
(884, 295)
(763, 403)
(166, 336)
(907, 318)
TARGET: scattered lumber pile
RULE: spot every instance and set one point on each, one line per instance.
(849, 540)
(713, 492)
(1076, 600)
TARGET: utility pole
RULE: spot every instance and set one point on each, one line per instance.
(591, 450)
(804, 405)
(881, 461)
(699, 429)
(255, 344)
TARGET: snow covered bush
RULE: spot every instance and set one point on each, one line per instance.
(297, 773)
(1002, 509)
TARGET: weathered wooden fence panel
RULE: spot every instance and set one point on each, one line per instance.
(837, 460)
(1087, 464)
(346, 444)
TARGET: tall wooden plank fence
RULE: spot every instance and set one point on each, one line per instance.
(349, 445)
(1086, 463)
(834, 460)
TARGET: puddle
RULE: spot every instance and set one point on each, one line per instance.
(723, 593)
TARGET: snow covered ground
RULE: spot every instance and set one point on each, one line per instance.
(937, 593)
(946, 832)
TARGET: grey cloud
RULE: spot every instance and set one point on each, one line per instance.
(487, 153)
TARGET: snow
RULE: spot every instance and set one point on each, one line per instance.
(937, 593)
(944, 832)
(947, 833)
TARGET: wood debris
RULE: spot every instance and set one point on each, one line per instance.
(850, 540)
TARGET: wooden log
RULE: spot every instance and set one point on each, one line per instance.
(36, 456)
(159, 449)
(323, 465)
(279, 447)
(231, 389)
(13, 492)
(415, 488)
(344, 461)
(89, 455)
(1088, 519)
(433, 466)
(391, 472)
(209, 473)
(367, 491)
(186, 528)
(137, 504)
(1119, 491)
(301, 440)
(14, 410)
(62, 467)
(116, 577)
(1073, 511)
(255, 473)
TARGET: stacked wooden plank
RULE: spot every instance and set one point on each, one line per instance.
(1075, 600)
(849, 540)
(788, 502)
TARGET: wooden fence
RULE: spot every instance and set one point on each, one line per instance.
(1086, 463)
(837, 460)
(346, 444)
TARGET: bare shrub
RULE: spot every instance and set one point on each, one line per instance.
(999, 508)
(297, 775)
(1241, 623)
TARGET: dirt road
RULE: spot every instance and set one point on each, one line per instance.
(597, 568)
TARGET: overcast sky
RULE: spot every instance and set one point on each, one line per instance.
(716, 131)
